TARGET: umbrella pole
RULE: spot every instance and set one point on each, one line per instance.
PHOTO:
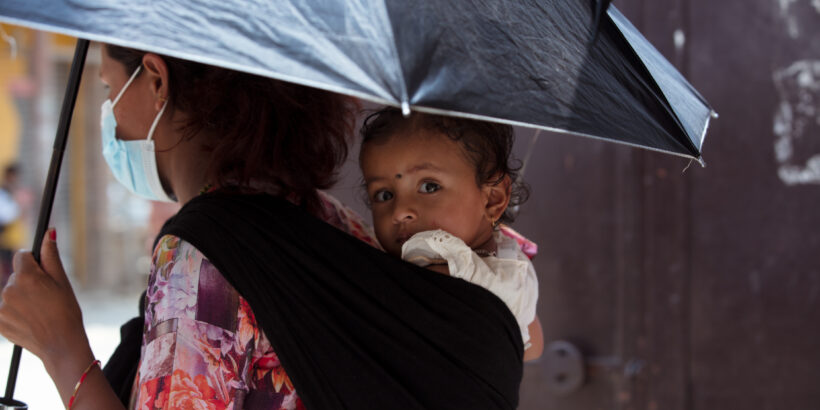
(47, 202)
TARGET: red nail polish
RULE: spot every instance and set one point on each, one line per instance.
(52, 234)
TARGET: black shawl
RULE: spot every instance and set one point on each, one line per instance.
(354, 328)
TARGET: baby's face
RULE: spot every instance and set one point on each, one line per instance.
(422, 182)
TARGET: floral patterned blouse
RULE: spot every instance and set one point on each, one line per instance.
(202, 348)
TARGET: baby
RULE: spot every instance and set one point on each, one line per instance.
(438, 187)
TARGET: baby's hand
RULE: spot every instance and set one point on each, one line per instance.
(428, 248)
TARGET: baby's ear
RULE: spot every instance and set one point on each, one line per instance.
(497, 193)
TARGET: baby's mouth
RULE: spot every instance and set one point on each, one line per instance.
(402, 237)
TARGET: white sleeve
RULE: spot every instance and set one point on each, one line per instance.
(511, 276)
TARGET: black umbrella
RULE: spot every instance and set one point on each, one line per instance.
(571, 66)
(574, 66)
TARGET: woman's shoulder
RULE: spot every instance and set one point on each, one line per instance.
(196, 320)
(342, 217)
(184, 284)
(169, 248)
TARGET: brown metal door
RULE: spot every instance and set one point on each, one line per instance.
(756, 211)
(694, 290)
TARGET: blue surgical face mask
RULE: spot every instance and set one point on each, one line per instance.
(133, 163)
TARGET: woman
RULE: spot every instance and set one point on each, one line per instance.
(211, 131)
(245, 261)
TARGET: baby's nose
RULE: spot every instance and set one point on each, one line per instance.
(404, 212)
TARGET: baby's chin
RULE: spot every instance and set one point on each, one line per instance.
(390, 246)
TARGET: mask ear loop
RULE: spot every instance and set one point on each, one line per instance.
(156, 121)
(125, 87)
(154, 183)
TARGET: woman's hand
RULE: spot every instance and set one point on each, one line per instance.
(40, 312)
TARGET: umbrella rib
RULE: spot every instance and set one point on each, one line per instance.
(551, 129)
(403, 98)
(619, 20)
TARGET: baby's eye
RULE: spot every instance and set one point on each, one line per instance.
(382, 196)
(429, 187)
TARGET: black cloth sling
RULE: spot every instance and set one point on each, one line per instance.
(354, 328)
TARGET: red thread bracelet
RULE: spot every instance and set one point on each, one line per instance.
(80, 382)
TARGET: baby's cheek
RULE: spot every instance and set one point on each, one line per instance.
(444, 224)
(380, 234)
(383, 233)
(453, 225)
(428, 224)
(379, 219)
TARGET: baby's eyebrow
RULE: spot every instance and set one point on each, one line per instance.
(369, 181)
(423, 167)
(426, 166)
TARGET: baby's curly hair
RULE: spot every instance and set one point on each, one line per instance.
(487, 145)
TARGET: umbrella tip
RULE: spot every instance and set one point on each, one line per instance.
(405, 109)
(715, 114)
(689, 164)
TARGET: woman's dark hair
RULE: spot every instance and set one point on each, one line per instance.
(290, 135)
(487, 145)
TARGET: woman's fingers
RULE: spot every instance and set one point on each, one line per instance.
(11, 319)
(50, 258)
(9, 322)
(39, 310)
(50, 266)
(27, 275)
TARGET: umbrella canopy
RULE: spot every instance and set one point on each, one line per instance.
(557, 65)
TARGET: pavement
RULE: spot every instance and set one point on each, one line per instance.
(103, 314)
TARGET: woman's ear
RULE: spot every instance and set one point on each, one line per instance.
(497, 196)
(157, 72)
